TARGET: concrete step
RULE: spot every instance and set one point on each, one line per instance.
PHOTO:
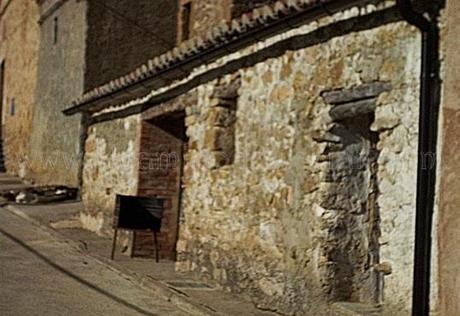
(354, 309)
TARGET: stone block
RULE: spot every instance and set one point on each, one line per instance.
(221, 116)
(327, 137)
(190, 120)
(217, 159)
(354, 309)
(90, 145)
(227, 91)
(358, 93)
(218, 138)
(352, 109)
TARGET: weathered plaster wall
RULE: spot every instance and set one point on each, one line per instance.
(55, 143)
(206, 14)
(397, 122)
(111, 167)
(94, 44)
(122, 36)
(449, 197)
(262, 225)
(19, 38)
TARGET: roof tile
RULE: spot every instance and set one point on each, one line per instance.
(247, 21)
(221, 33)
(281, 9)
(237, 27)
(163, 62)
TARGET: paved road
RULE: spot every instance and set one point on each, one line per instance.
(40, 275)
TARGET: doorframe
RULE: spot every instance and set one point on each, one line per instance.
(158, 121)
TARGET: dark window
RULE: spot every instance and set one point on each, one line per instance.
(185, 27)
(55, 30)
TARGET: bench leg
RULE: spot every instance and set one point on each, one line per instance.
(155, 241)
(114, 243)
(133, 244)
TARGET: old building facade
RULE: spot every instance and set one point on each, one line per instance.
(282, 135)
(54, 147)
(19, 37)
(83, 44)
(288, 161)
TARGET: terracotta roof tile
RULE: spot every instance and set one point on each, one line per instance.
(162, 61)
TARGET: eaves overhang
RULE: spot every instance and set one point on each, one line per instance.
(222, 40)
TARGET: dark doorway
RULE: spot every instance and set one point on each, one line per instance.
(163, 143)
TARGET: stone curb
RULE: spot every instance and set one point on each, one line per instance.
(158, 288)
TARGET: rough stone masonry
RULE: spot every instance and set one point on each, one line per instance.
(281, 222)
(299, 174)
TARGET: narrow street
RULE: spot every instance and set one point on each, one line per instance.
(40, 275)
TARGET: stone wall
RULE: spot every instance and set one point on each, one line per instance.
(272, 223)
(122, 36)
(206, 14)
(292, 196)
(110, 167)
(19, 34)
(55, 143)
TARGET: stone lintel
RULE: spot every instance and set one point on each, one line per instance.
(228, 91)
(352, 109)
(171, 106)
(364, 91)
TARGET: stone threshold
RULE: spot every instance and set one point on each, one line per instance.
(354, 309)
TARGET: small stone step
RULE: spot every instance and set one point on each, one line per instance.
(10, 181)
(354, 309)
(4, 175)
